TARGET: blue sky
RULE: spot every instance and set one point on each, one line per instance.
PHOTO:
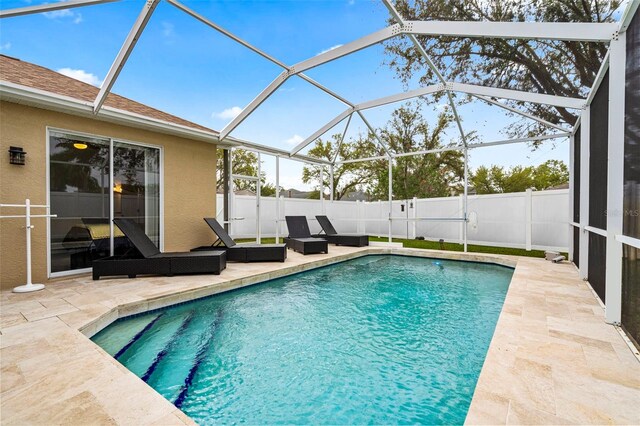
(186, 68)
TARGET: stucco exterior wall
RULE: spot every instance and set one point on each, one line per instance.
(189, 184)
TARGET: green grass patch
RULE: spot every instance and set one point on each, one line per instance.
(435, 245)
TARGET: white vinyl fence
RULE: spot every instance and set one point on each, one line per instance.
(531, 219)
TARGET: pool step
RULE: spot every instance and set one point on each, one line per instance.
(170, 344)
(177, 365)
(142, 353)
(137, 336)
(200, 357)
(122, 333)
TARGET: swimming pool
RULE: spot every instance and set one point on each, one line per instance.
(378, 339)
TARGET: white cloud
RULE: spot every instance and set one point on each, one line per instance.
(81, 75)
(5, 46)
(168, 29)
(294, 140)
(330, 49)
(75, 17)
(228, 114)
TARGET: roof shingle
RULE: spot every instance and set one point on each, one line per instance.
(37, 77)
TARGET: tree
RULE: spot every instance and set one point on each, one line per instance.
(551, 173)
(428, 175)
(346, 177)
(496, 180)
(545, 66)
(243, 163)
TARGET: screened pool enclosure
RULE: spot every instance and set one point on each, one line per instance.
(604, 219)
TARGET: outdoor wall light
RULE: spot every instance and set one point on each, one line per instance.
(17, 155)
(80, 145)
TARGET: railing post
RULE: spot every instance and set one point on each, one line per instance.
(528, 212)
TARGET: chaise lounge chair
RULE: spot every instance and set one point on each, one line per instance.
(300, 238)
(149, 260)
(331, 235)
(243, 252)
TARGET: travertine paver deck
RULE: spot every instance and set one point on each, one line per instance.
(552, 358)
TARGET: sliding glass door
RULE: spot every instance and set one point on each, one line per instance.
(91, 181)
(136, 186)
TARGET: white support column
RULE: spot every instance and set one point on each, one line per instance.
(232, 194)
(283, 212)
(461, 226)
(414, 215)
(381, 210)
(528, 213)
(585, 122)
(390, 196)
(322, 189)
(615, 179)
(465, 196)
(331, 183)
(258, 228)
(277, 199)
(572, 141)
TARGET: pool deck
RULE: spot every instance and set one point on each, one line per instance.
(552, 360)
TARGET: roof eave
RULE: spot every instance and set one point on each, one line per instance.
(12, 92)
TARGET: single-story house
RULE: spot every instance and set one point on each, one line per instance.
(91, 168)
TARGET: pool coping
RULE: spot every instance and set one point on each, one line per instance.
(133, 308)
(80, 305)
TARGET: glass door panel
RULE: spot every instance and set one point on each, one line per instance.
(79, 185)
(136, 187)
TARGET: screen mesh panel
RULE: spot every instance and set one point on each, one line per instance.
(597, 263)
(576, 246)
(631, 220)
(576, 176)
(631, 292)
(598, 146)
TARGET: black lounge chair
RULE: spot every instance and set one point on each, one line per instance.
(243, 252)
(331, 235)
(300, 238)
(147, 259)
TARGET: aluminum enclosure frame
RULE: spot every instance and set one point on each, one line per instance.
(612, 33)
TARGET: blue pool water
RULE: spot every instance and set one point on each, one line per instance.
(379, 339)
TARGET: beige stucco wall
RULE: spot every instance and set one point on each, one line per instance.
(189, 184)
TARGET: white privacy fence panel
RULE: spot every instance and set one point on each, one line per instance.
(439, 208)
(343, 215)
(537, 220)
(549, 218)
(501, 218)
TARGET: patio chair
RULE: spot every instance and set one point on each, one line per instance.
(147, 259)
(300, 238)
(243, 252)
(332, 236)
